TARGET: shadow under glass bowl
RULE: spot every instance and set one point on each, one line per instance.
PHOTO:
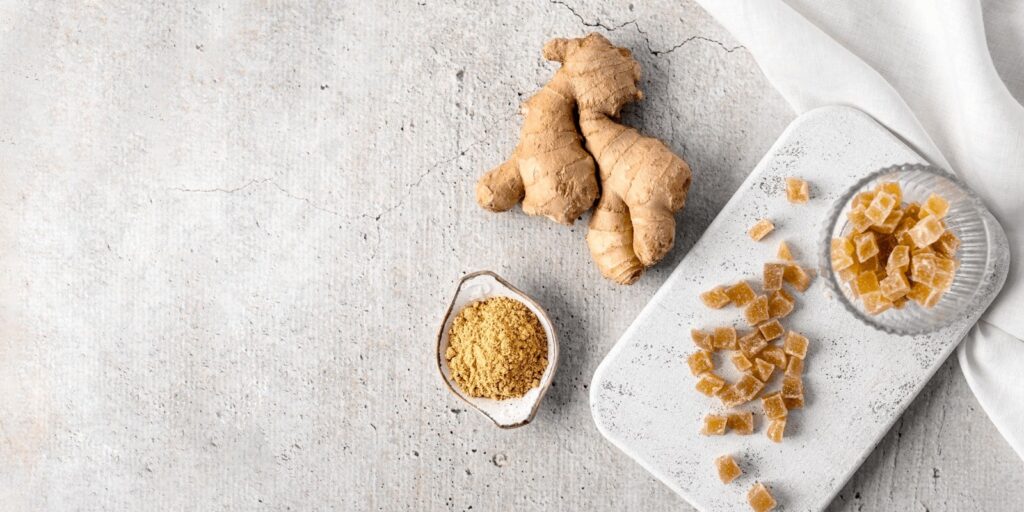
(983, 253)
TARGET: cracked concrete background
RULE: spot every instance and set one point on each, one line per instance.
(230, 230)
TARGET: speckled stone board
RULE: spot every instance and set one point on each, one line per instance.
(857, 380)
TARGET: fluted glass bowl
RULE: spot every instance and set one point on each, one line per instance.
(983, 252)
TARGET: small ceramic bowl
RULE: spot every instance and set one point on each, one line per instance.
(983, 254)
(512, 412)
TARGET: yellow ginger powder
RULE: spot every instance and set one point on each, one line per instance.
(497, 349)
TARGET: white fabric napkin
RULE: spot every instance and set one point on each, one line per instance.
(924, 69)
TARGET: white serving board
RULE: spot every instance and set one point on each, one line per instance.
(858, 380)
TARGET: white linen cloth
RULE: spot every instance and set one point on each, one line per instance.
(924, 69)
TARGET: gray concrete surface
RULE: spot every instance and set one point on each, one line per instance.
(229, 232)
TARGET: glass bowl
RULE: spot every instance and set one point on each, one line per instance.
(983, 252)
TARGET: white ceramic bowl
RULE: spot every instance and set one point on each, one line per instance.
(984, 253)
(512, 412)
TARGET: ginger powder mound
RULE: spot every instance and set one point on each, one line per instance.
(497, 349)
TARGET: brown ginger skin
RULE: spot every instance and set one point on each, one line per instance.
(549, 171)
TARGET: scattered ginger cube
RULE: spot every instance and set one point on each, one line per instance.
(784, 253)
(793, 404)
(725, 338)
(728, 470)
(760, 229)
(703, 340)
(792, 387)
(780, 304)
(794, 367)
(752, 344)
(773, 405)
(731, 396)
(776, 429)
(700, 362)
(741, 423)
(714, 425)
(709, 384)
(771, 330)
(773, 276)
(797, 277)
(740, 293)
(748, 386)
(797, 190)
(741, 362)
(762, 369)
(774, 355)
(795, 345)
(757, 311)
(715, 298)
(760, 499)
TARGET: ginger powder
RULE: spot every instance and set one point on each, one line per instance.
(497, 348)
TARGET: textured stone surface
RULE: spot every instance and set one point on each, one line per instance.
(230, 230)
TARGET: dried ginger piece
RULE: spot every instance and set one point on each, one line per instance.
(797, 190)
(752, 344)
(709, 384)
(700, 362)
(725, 338)
(773, 273)
(776, 429)
(748, 387)
(780, 304)
(794, 366)
(762, 369)
(760, 499)
(741, 423)
(926, 231)
(757, 311)
(740, 293)
(728, 470)
(771, 330)
(760, 229)
(714, 425)
(741, 362)
(702, 340)
(784, 253)
(797, 277)
(795, 344)
(715, 298)
(773, 405)
(774, 355)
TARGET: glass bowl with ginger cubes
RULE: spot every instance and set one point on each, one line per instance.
(907, 249)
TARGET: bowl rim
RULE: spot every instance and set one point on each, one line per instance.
(832, 219)
(553, 350)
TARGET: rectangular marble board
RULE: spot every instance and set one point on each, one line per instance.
(857, 380)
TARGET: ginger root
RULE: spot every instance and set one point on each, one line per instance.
(643, 184)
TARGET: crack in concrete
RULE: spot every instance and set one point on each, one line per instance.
(647, 41)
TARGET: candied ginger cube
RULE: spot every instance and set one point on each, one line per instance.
(797, 190)
(773, 405)
(924, 295)
(858, 220)
(703, 340)
(862, 200)
(899, 258)
(875, 303)
(913, 210)
(867, 282)
(888, 225)
(880, 207)
(923, 267)
(752, 344)
(740, 361)
(794, 367)
(762, 369)
(784, 253)
(757, 311)
(774, 355)
(725, 338)
(760, 229)
(867, 246)
(936, 206)
(848, 274)
(780, 304)
(730, 396)
(842, 253)
(700, 362)
(792, 386)
(771, 330)
(740, 293)
(715, 298)
(741, 423)
(714, 425)
(947, 244)
(710, 384)
(728, 470)
(760, 499)
(748, 386)
(926, 231)
(797, 277)
(776, 429)
(773, 275)
(795, 344)
(794, 403)
(894, 286)
(892, 188)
